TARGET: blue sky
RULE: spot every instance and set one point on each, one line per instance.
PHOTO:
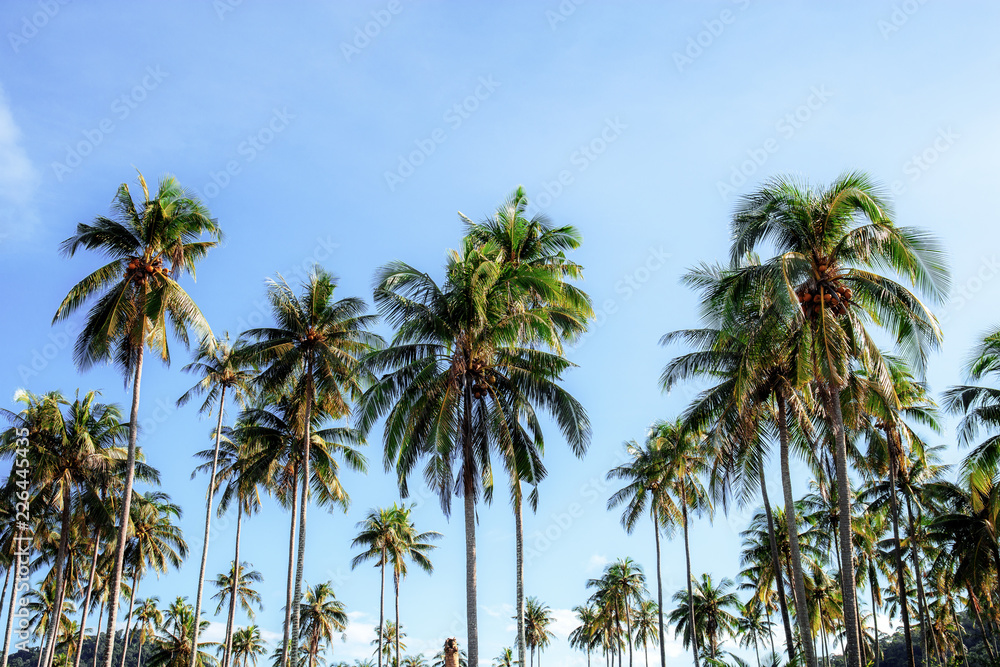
(352, 134)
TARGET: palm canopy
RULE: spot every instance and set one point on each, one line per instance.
(221, 365)
(150, 244)
(457, 378)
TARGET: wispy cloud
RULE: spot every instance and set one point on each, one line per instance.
(597, 563)
(18, 179)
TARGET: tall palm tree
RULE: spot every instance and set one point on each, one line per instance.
(407, 545)
(647, 615)
(537, 618)
(505, 659)
(457, 380)
(980, 409)
(587, 635)
(248, 646)
(150, 618)
(752, 627)
(221, 368)
(377, 533)
(314, 348)
(714, 616)
(384, 637)
(241, 581)
(516, 240)
(323, 617)
(829, 245)
(174, 647)
(617, 592)
(150, 244)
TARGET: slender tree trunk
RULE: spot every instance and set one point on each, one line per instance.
(756, 650)
(138, 658)
(6, 581)
(381, 609)
(124, 510)
(86, 603)
(918, 575)
(770, 635)
(208, 525)
(659, 584)
(16, 565)
(852, 654)
(97, 639)
(519, 566)
(128, 623)
(897, 556)
(798, 583)
(60, 594)
(687, 560)
(779, 581)
(304, 502)
(628, 630)
(982, 627)
(291, 561)
(395, 581)
(872, 579)
(227, 655)
(469, 492)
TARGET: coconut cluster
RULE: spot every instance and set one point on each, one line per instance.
(481, 378)
(826, 291)
(138, 270)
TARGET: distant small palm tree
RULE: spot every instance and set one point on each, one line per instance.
(505, 659)
(715, 609)
(323, 617)
(149, 618)
(247, 646)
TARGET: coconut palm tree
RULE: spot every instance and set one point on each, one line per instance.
(829, 245)
(617, 593)
(377, 533)
(505, 659)
(221, 369)
(150, 244)
(714, 616)
(385, 635)
(247, 646)
(314, 348)
(979, 407)
(457, 379)
(587, 635)
(149, 618)
(323, 617)
(752, 627)
(647, 615)
(173, 648)
(241, 581)
(537, 618)
(407, 545)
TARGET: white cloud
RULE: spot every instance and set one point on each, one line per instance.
(18, 179)
(597, 563)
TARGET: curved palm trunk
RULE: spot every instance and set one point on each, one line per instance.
(395, 577)
(227, 655)
(872, 579)
(128, 623)
(925, 622)
(469, 493)
(519, 548)
(659, 585)
(97, 639)
(897, 556)
(6, 582)
(15, 565)
(381, 609)
(852, 653)
(50, 648)
(687, 560)
(628, 633)
(303, 503)
(779, 581)
(291, 560)
(799, 587)
(86, 603)
(126, 505)
(208, 525)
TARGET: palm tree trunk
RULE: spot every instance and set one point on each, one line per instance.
(86, 602)
(779, 581)
(756, 650)
(97, 638)
(897, 555)
(138, 658)
(798, 583)
(852, 654)
(303, 503)
(519, 567)
(395, 581)
(16, 565)
(60, 593)
(982, 626)
(469, 493)
(126, 505)
(291, 560)
(6, 581)
(227, 655)
(128, 623)
(208, 525)
(687, 560)
(770, 635)
(872, 581)
(381, 609)
(918, 575)
(628, 631)
(659, 584)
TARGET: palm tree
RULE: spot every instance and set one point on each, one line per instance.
(247, 646)
(150, 245)
(174, 647)
(407, 544)
(314, 348)
(829, 244)
(241, 581)
(647, 616)
(456, 381)
(505, 659)
(537, 617)
(323, 616)
(385, 634)
(980, 409)
(377, 531)
(587, 635)
(222, 369)
(150, 618)
(752, 627)
(514, 241)
(620, 589)
(713, 618)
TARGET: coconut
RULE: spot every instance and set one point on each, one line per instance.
(807, 297)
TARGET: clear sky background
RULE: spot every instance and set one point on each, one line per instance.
(310, 140)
